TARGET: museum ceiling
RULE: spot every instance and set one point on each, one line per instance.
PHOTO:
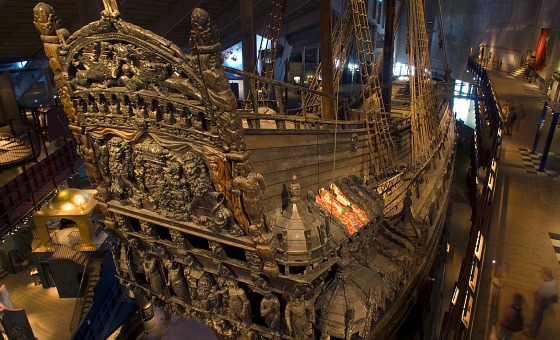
(19, 40)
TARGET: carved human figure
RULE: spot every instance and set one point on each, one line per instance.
(53, 35)
(90, 164)
(270, 310)
(178, 239)
(116, 252)
(294, 190)
(217, 249)
(221, 173)
(129, 80)
(154, 113)
(125, 262)
(205, 42)
(266, 250)
(123, 222)
(168, 116)
(250, 185)
(149, 229)
(239, 307)
(207, 297)
(177, 280)
(299, 314)
(120, 167)
(191, 272)
(223, 219)
(114, 106)
(102, 157)
(153, 275)
(196, 174)
(139, 110)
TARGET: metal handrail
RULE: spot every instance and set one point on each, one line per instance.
(80, 301)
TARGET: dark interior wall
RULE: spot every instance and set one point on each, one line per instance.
(508, 28)
(18, 240)
(9, 107)
(66, 275)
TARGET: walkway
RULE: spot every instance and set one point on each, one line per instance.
(525, 212)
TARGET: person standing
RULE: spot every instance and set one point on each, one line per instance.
(544, 297)
(512, 318)
(511, 118)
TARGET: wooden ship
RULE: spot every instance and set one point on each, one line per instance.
(263, 226)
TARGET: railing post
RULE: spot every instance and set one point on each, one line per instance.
(279, 103)
(303, 105)
(253, 92)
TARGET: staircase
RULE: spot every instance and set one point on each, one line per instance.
(102, 325)
(93, 278)
(517, 73)
(64, 252)
(105, 305)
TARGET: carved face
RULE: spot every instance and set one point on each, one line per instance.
(190, 166)
(294, 190)
(41, 15)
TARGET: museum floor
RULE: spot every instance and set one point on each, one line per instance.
(524, 214)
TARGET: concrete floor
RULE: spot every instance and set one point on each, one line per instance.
(524, 212)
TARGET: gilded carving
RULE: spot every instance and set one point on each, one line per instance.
(176, 280)
(251, 187)
(204, 41)
(299, 314)
(239, 307)
(221, 174)
(53, 36)
(153, 274)
(266, 250)
(270, 310)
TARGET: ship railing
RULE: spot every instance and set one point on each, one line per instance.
(287, 122)
(73, 238)
(254, 101)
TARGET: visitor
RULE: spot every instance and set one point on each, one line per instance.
(512, 318)
(546, 294)
(511, 117)
(520, 115)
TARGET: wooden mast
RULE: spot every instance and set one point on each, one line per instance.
(327, 82)
(388, 48)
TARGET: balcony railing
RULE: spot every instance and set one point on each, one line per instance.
(23, 193)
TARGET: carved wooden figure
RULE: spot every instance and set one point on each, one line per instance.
(177, 280)
(270, 310)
